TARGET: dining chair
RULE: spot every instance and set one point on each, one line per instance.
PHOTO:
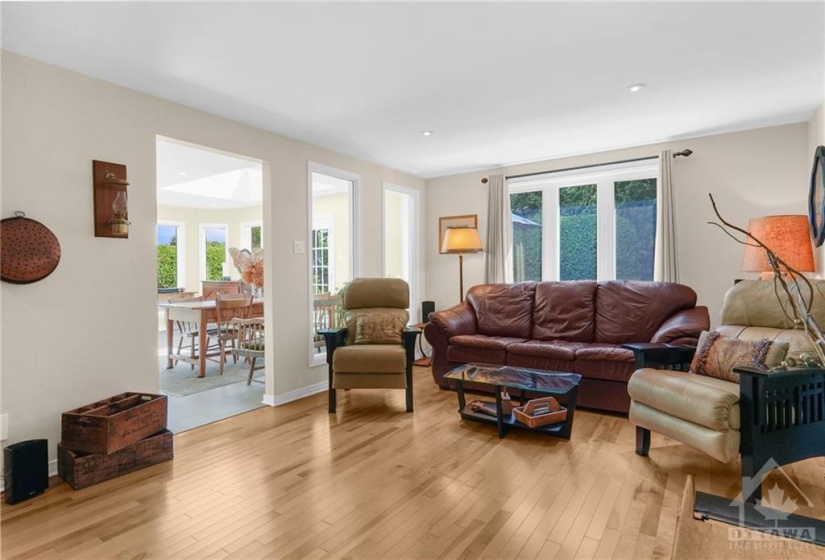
(250, 342)
(228, 308)
(188, 337)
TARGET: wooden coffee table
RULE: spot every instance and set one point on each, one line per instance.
(521, 381)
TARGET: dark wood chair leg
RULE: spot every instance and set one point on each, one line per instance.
(642, 441)
(409, 389)
(332, 403)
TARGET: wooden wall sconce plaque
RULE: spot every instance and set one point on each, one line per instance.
(110, 199)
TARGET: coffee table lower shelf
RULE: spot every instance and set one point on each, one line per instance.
(559, 429)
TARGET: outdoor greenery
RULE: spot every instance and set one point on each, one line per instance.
(168, 266)
(635, 203)
(256, 237)
(215, 257)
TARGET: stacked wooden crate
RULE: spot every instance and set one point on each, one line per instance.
(112, 437)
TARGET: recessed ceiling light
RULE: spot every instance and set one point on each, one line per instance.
(183, 173)
(636, 87)
(426, 133)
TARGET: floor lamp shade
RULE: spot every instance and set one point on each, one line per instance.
(787, 236)
(460, 240)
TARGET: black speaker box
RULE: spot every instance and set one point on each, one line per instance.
(25, 469)
(427, 307)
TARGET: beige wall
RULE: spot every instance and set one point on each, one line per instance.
(816, 130)
(89, 330)
(816, 137)
(753, 173)
(192, 218)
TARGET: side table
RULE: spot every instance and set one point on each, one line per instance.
(424, 360)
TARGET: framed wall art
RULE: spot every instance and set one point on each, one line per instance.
(467, 220)
(816, 198)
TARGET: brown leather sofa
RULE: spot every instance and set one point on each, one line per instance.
(575, 326)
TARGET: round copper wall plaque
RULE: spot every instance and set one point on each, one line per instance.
(29, 251)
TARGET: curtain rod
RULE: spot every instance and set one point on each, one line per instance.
(685, 153)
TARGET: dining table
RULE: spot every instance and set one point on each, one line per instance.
(201, 313)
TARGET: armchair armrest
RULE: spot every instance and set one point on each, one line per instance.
(661, 356)
(409, 336)
(684, 327)
(333, 338)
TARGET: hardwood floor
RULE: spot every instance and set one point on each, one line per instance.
(376, 482)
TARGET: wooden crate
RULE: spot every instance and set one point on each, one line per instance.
(114, 423)
(528, 415)
(85, 469)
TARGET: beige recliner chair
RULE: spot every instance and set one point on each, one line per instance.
(765, 416)
(375, 349)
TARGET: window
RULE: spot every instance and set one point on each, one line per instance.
(322, 278)
(170, 255)
(332, 252)
(251, 235)
(589, 224)
(213, 250)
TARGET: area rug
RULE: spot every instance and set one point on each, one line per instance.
(697, 539)
(182, 380)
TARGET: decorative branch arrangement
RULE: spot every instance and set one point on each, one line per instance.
(251, 265)
(786, 280)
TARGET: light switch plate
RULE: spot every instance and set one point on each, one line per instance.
(298, 247)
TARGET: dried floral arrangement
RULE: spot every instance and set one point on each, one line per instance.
(250, 264)
(788, 281)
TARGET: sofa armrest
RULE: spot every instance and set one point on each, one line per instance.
(333, 338)
(661, 356)
(457, 320)
(684, 327)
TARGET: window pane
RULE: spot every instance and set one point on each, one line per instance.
(577, 233)
(167, 242)
(215, 252)
(256, 237)
(527, 235)
(635, 229)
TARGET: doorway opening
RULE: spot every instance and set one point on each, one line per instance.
(209, 203)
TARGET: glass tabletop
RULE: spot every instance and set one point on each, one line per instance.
(516, 377)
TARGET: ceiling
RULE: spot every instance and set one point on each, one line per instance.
(498, 83)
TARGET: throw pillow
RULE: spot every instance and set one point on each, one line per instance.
(717, 355)
(379, 328)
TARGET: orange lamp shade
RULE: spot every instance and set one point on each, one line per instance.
(461, 239)
(787, 236)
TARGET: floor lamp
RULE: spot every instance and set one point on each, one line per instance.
(459, 240)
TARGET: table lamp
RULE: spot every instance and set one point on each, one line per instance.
(460, 240)
(787, 236)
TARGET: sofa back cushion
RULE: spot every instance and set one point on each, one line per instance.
(632, 311)
(760, 303)
(564, 310)
(503, 309)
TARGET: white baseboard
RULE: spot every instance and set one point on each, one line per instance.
(297, 394)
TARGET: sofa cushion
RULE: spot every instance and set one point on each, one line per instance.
(717, 355)
(370, 358)
(557, 349)
(632, 311)
(564, 310)
(722, 445)
(479, 348)
(603, 352)
(707, 401)
(503, 309)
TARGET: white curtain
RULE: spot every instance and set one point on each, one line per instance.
(665, 262)
(499, 251)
